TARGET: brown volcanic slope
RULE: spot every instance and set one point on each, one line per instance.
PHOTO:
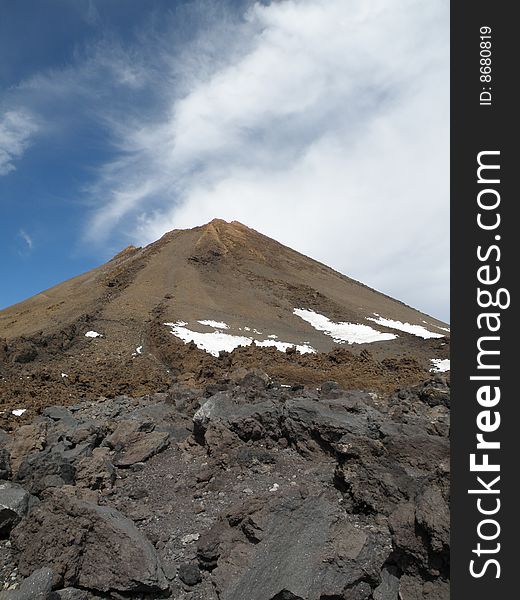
(222, 272)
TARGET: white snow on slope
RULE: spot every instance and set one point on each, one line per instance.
(417, 330)
(352, 333)
(217, 341)
(216, 324)
(213, 342)
(18, 412)
(440, 365)
(93, 334)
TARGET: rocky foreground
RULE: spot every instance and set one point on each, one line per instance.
(247, 490)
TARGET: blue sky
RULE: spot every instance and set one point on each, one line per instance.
(323, 123)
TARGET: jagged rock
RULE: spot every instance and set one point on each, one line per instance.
(139, 447)
(411, 588)
(208, 551)
(43, 470)
(135, 441)
(14, 505)
(361, 480)
(97, 471)
(87, 546)
(189, 573)
(327, 420)
(220, 441)
(388, 589)
(165, 417)
(124, 432)
(36, 587)
(5, 464)
(59, 413)
(344, 554)
(27, 439)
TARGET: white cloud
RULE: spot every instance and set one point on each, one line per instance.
(329, 132)
(26, 238)
(16, 129)
(322, 123)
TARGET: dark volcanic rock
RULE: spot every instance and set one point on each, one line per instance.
(190, 574)
(14, 505)
(5, 464)
(140, 446)
(89, 546)
(135, 441)
(307, 549)
(45, 470)
(36, 587)
(277, 493)
(96, 471)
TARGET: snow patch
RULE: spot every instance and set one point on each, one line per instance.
(440, 365)
(93, 334)
(64, 375)
(214, 342)
(352, 333)
(18, 412)
(216, 324)
(417, 330)
(217, 341)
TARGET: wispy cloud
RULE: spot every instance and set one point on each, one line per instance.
(17, 127)
(329, 131)
(323, 123)
(27, 241)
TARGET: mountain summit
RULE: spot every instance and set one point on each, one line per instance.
(207, 290)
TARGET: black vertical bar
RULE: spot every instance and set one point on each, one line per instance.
(483, 119)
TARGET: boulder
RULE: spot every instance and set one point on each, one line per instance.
(96, 472)
(279, 563)
(43, 470)
(135, 441)
(88, 546)
(412, 588)
(189, 573)
(388, 589)
(14, 505)
(36, 587)
(141, 446)
(27, 439)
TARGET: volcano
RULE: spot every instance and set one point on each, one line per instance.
(217, 416)
(179, 306)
